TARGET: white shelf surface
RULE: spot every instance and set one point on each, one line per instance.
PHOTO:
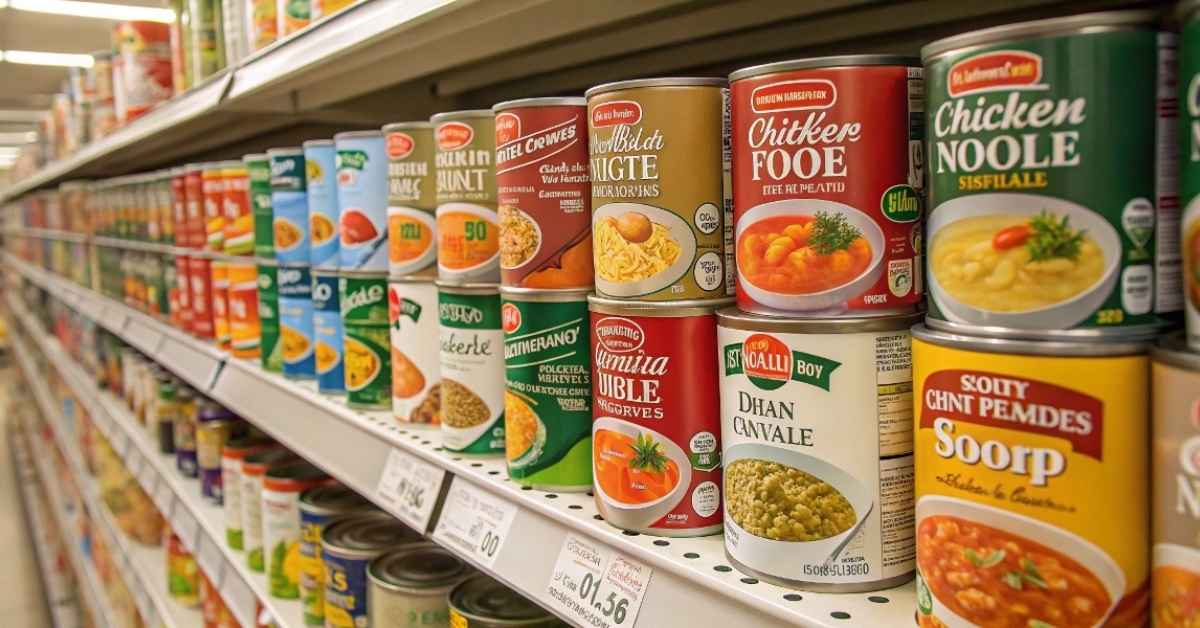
(692, 583)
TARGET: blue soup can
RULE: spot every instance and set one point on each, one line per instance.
(320, 173)
(362, 194)
(348, 544)
(327, 327)
(296, 321)
(289, 202)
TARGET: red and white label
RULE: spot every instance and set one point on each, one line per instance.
(616, 112)
(454, 135)
(510, 318)
(995, 71)
(399, 145)
(508, 127)
(618, 334)
(767, 357)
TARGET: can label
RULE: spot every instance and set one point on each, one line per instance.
(231, 479)
(327, 327)
(467, 225)
(281, 542)
(243, 309)
(545, 197)
(194, 193)
(183, 286)
(367, 344)
(1189, 177)
(548, 393)
(362, 194)
(322, 205)
(312, 570)
(258, 175)
(200, 277)
(212, 189)
(294, 15)
(289, 207)
(220, 302)
(412, 200)
(472, 371)
(1176, 475)
(270, 350)
(239, 219)
(296, 321)
(178, 211)
(661, 216)
(416, 370)
(345, 590)
(252, 519)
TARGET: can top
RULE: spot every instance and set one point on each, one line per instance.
(737, 319)
(287, 151)
(525, 295)
(266, 261)
(347, 272)
(691, 307)
(317, 143)
(416, 568)
(349, 135)
(481, 598)
(417, 277)
(333, 499)
(1173, 349)
(468, 288)
(1049, 348)
(548, 101)
(327, 272)
(368, 532)
(241, 446)
(254, 157)
(295, 470)
(668, 81)
(1083, 23)
(257, 463)
(823, 62)
(415, 124)
(458, 115)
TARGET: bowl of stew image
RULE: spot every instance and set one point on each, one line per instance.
(636, 493)
(983, 566)
(1176, 578)
(807, 254)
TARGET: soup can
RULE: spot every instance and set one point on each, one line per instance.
(320, 164)
(187, 417)
(263, 23)
(282, 486)
(254, 468)
(239, 216)
(258, 179)
(200, 276)
(472, 368)
(327, 333)
(219, 270)
(293, 15)
(482, 602)
(802, 131)
(412, 197)
(178, 191)
(183, 288)
(270, 350)
(468, 248)
(211, 436)
(1175, 559)
(416, 366)
(1189, 172)
(362, 181)
(232, 455)
(319, 506)
(289, 205)
(182, 572)
(817, 450)
(661, 208)
(1018, 462)
(296, 321)
(409, 586)
(656, 429)
(547, 388)
(348, 545)
(212, 190)
(243, 308)
(367, 345)
(544, 193)
(193, 187)
(1043, 222)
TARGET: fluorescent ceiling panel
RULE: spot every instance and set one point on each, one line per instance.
(100, 10)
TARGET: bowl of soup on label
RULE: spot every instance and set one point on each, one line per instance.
(639, 473)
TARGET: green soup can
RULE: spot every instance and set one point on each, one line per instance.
(547, 388)
(472, 368)
(271, 350)
(367, 348)
(258, 174)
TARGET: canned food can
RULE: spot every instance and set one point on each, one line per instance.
(183, 288)
(182, 572)
(270, 350)
(187, 417)
(254, 468)
(1043, 223)
(656, 433)
(200, 276)
(548, 389)
(319, 506)
(320, 163)
(296, 321)
(293, 15)
(205, 53)
(194, 206)
(244, 326)
(211, 436)
(412, 197)
(289, 205)
(212, 190)
(325, 8)
(219, 269)
(258, 178)
(239, 215)
(472, 368)
(482, 602)
(416, 366)
(409, 586)
(282, 486)
(327, 333)
(468, 247)
(232, 455)
(362, 166)
(348, 545)
(1189, 172)
(544, 193)
(264, 23)
(661, 207)
(816, 417)
(1012, 445)
(367, 346)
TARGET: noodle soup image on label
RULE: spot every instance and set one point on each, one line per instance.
(412, 197)
(368, 364)
(1022, 450)
(219, 271)
(816, 431)
(321, 186)
(827, 184)
(467, 225)
(289, 205)
(1050, 192)
(362, 165)
(327, 332)
(296, 322)
(661, 212)
(544, 193)
(416, 365)
(472, 368)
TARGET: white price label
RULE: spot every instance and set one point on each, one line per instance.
(474, 521)
(210, 558)
(410, 486)
(597, 586)
(186, 528)
(240, 599)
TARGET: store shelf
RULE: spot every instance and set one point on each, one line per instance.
(692, 584)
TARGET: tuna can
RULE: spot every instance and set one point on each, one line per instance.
(327, 333)
(816, 434)
(1019, 460)
(1189, 173)
(296, 321)
(282, 485)
(482, 602)
(270, 350)
(318, 506)
(187, 410)
(412, 197)
(548, 388)
(200, 276)
(254, 467)
(183, 288)
(472, 368)
(1175, 378)
(544, 193)
(289, 205)
(367, 345)
(662, 214)
(239, 217)
(232, 455)
(348, 544)
(1049, 193)
(320, 165)
(656, 446)
(416, 367)
(243, 308)
(408, 587)
(193, 188)
(212, 190)
(219, 270)
(362, 184)
(211, 436)
(258, 178)
(467, 227)
(828, 159)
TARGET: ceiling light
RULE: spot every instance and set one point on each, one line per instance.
(31, 57)
(100, 10)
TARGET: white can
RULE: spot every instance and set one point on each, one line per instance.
(416, 370)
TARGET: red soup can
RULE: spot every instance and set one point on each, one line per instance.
(193, 193)
(828, 189)
(544, 193)
(179, 205)
(200, 276)
(656, 427)
(181, 310)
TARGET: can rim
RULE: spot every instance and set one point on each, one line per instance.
(412, 587)
(353, 520)
(352, 272)
(540, 101)
(349, 135)
(534, 295)
(1083, 23)
(320, 142)
(255, 157)
(733, 318)
(460, 591)
(415, 124)
(325, 272)
(1173, 349)
(468, 288)
(412, 278)
(824, 62)
(285, 150)
(666, 81)
(1142, 333)
(692, 307)
(1042, 348)
(450, 116)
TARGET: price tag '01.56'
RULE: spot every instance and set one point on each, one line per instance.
(474, 521)
(597, 586)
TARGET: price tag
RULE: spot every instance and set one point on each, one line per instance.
(186, 528)
(596, 586)
(410, 487)
(474, 522)
(240, 599)
(211, 560)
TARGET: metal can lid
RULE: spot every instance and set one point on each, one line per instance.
(350, 135)
(317, 143)
(365, 533)
(1082, 23)
(333, 499)
(364, 274)
(733, 318)
(295, 470)
(254, 157)
(548, 101)
(1173, 349)
(242, 446)
(668, 81)
(447, 116)
(420, 567)
(482, 598)
(823, 62)
(468, 288)
(285, 151)
(691, 307)
(259, 461)
(425, 275)
(1048, 348)
(561, 295)
(399, 126)
(326, 272)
